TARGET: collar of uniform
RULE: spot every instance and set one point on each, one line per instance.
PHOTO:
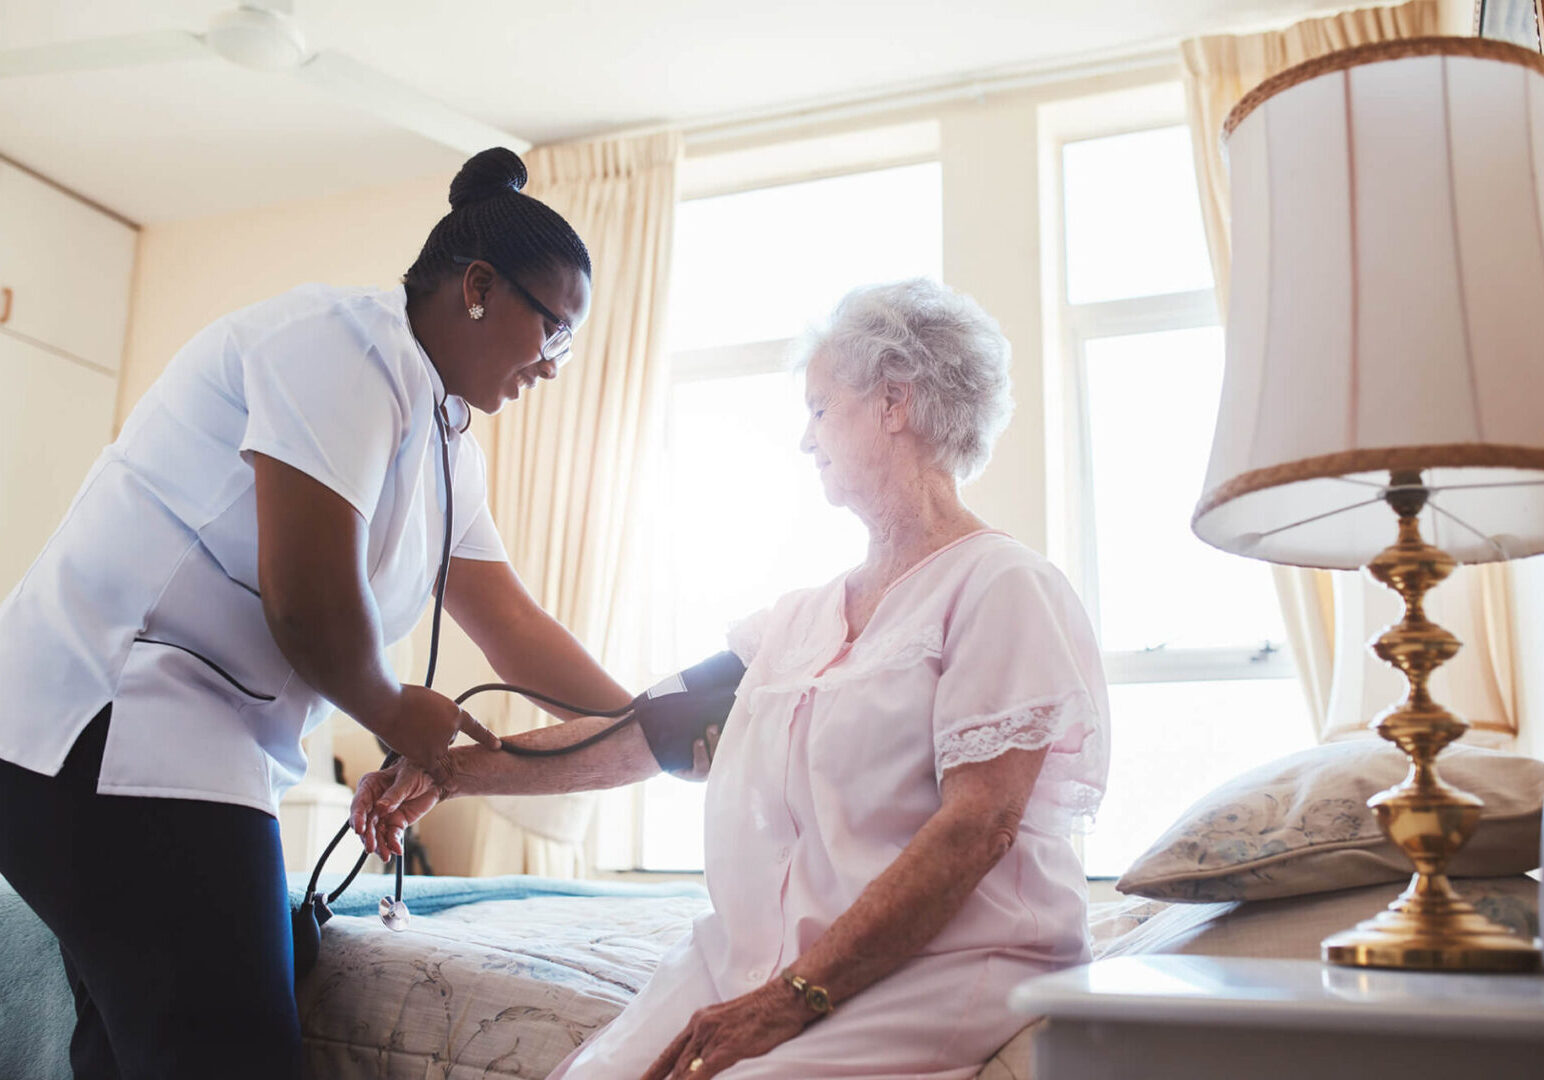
(458, 414)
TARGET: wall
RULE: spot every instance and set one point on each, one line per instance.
(191, 272)
(992, 252)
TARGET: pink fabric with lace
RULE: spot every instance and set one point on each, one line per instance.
(830, 763)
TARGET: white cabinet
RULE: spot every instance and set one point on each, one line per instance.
(66, 269)
(65, 275)
(55, 417)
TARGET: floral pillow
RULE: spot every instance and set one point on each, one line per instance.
(1301, 825)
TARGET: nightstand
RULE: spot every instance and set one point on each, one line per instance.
(1203, 1017)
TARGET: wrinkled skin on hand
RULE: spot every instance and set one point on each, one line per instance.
(740, 1028)
(388, 800)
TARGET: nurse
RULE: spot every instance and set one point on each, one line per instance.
(234, 565)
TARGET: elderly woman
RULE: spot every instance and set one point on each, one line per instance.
(889, 805)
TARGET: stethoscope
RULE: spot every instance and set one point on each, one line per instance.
(315, 909)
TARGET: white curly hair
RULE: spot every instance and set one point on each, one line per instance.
(951, 352)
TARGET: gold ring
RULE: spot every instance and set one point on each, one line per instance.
(695, 1065)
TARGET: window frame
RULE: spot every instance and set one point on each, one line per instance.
(1071, 327)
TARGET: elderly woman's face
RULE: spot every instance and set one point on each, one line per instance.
(844, 434)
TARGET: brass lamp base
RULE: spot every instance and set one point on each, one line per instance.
(1429, 927)
(1437, 933)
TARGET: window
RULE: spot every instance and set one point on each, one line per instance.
(741, 518)
(1201, 684)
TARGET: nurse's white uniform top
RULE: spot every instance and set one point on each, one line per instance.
(831, 760)
(160, 544)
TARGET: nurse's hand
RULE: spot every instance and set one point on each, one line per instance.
(422, 724)
(703, 751)
(389, 800)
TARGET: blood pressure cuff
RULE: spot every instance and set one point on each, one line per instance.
(679, 711)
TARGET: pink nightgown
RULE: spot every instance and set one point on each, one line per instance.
(830, 763)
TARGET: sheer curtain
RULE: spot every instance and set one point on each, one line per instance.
(1328, 623)
(566, 474)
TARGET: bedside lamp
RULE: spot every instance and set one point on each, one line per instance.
(1385, 381)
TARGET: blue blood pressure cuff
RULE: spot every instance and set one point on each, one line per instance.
(680, 709)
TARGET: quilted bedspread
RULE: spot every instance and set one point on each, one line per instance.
(493, 988)
(497, 988)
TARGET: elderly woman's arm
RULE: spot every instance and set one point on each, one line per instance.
(389, 800)
(386, 802)
(902, 909)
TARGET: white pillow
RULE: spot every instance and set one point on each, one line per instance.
(1301, 825)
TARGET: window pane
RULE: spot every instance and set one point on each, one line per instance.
(1152, 404)
(763, 265)
(747, 522)
(1133, 217)
(1171, 743)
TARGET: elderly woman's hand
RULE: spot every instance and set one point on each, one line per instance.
(720, 1035)
(387, 801)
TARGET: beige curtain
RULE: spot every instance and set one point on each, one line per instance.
(1343, 685)
(567, 465)
(1218, 71)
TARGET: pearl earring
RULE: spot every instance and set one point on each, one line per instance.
(475, 311)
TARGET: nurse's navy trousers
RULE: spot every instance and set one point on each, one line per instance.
(172, 917)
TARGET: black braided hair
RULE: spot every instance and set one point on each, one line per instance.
(490, 218)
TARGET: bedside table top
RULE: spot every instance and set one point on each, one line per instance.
(1287, 993)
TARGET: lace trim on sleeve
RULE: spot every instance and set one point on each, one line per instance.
(1025, 727)
(1071, 785)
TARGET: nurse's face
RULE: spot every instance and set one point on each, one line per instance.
(846, 435)
(522, 337)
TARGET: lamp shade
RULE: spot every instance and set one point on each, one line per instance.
(1386, 306)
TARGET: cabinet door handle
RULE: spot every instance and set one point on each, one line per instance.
(5, 303)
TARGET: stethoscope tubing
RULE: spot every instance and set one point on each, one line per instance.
(625, 712)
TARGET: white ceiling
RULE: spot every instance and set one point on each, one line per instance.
(203, 136)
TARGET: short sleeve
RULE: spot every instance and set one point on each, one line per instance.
(745, 635)
(481, 541)
(321, 398)
(480, 538)
(1021, 671)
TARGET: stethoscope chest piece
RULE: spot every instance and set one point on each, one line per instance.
(394, 913)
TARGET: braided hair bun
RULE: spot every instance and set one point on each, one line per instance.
(487, 175)
(492, 219)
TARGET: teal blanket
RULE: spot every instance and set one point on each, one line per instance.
(37, 1011)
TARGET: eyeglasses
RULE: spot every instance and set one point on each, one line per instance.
(558, 348)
